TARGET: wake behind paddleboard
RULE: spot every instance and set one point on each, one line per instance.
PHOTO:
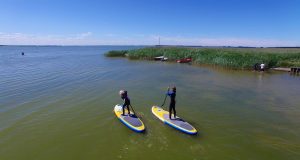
(131, 121)
(177, 123)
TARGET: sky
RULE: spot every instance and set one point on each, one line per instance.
(258, 23)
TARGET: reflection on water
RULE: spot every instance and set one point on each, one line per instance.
(58, 101)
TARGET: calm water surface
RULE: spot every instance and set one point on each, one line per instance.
(57, 102)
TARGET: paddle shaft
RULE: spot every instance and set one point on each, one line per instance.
(134, 111)
(165, 99)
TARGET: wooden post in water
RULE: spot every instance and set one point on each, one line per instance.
(295, 70)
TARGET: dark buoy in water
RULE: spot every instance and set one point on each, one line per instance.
(23, 53)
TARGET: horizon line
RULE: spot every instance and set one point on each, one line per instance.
(174, 45)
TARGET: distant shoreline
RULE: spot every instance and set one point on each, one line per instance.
(73, 45)
(179, 46)
(230, 57)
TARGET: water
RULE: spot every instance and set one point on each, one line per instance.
(57, 102)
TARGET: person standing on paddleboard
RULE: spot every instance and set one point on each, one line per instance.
(172, 95)
(126, 100)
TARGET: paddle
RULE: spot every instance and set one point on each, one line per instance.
(165, 98)
(134, 112)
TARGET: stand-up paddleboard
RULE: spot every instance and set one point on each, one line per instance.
(177, 123)
(131, 121)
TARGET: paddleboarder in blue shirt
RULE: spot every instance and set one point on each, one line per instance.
(126, 100)
(172, 95)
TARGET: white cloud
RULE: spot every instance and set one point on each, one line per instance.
(83, 35)
(88, 38)
(227, 42)
(35, 39)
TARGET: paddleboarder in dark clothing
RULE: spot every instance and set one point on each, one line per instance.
(172, 95)
(126, 100)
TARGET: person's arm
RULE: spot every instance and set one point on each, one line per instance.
(169, 93)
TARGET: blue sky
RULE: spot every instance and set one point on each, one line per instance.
(141, 22)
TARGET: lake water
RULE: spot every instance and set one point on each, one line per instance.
(56, 103)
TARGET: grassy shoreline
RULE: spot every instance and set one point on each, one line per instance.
(236, 58)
